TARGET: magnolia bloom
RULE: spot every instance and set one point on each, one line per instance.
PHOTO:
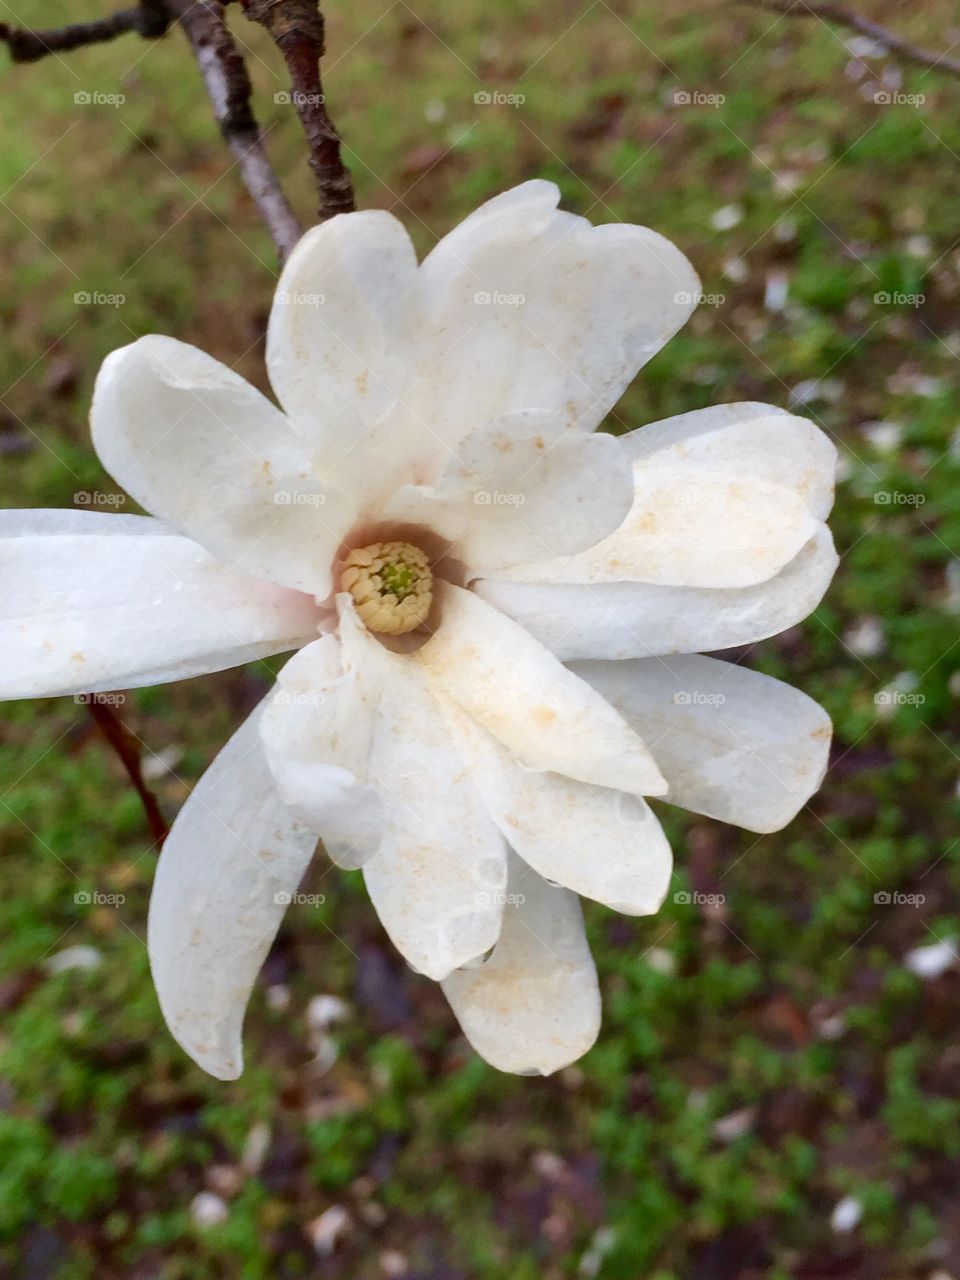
(497, 611)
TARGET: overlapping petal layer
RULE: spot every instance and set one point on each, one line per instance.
(93, 601)
(641, 619)
(532, 306)
(317, 729)
(744, 439)
(545, 716)
(227, 871)
(603, 844)
(345, 341)
(522, 485)
(199, 447)
(724, 544)
(385, 368)
(690, 527)
(438, 878)
(534, 1006)
(733, 744)
(342, 327)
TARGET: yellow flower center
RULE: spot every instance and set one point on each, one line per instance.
(392, 585)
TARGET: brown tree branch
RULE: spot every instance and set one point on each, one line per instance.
(228, 86)
(125, 745)
(829, 12)
(224, 74)
(296, 28)
(149, 20)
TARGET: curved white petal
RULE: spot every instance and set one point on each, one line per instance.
(343, 339)
(516, 689)
(534, 1007)
(90, 601)
(522, 486)
(691, 528)
(226, 873)
(533, 201)
(437, 878)
(639, 619)
(535, 307)
(732, 744)
(317, 728)
(199, 447)
(745, 439)
(605, 845)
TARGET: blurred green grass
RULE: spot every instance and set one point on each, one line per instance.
(790, 1008)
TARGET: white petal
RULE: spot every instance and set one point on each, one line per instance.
(199, 447)
(545, 717)
(732, 744)
(639, 619)
(535, 307)
(228, 868)
(534, 1007)
(745, 439)
(91, 601)
(341, 339)
(317, 727)
(603, 844)
(522, 486)
(691, 528)
(438, 876)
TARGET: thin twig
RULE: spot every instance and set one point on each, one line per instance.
(224, 73)
(296, 28)
(228, 86)
(828, 12)
(148, 20)
(125, 745)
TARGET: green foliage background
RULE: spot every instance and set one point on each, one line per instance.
(792, 1004)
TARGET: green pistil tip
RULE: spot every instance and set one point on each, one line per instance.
(398, 580)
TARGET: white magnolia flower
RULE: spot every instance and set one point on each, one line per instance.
(497, 611)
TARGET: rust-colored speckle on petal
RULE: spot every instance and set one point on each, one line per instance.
(544, 715)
